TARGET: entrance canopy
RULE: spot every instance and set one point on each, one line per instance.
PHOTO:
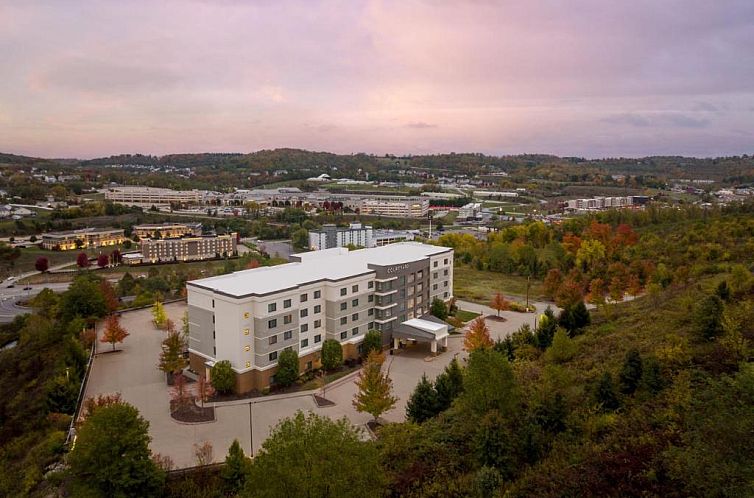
(424, 329)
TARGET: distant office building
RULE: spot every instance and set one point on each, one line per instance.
(399, 207)
(167, 230)
(331, 236)
(470, 212)
(152, 196)
(82, 238)
(189, 248)
(600, 203)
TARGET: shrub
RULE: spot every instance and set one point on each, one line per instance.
(562, 348)
(288, 368)
(439, 309)
(223, 378)
(332, 354)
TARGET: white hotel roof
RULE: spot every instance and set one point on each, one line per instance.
(330, 264)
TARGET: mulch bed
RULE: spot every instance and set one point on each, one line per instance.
(322, 402)
(495, 318)
(109, 351)
(191, 413)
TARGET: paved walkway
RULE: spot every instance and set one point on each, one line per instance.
(133, 373)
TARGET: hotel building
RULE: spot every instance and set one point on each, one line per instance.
(249, 317)
(167, 230)
(82, 238)
(331, 236)
(189, 248)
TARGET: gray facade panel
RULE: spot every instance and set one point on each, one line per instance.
(201, 330)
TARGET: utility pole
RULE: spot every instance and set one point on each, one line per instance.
(527, 292)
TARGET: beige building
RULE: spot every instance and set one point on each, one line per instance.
(167, 230)
(189, 248)
(152, 196)
(82, 238)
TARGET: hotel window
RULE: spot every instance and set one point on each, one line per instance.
(317, 324)
(305, 328)
(370, 312)
(445, 272)
(434, 275)
(445, 284)
(272, 307)
(343, 320)
(370, 284)
(304, 298)
(343, 291)
(213, 303)
(343, 335)
(287, 303)
(446, 261)
(445, 295)
(287, 335)
(435, 265)
(371, 298)
(247, 348)
(420, 274)
(304, 343)
(355, 331)
(434, 287)
(355, 288)
(317, 338)
(287, 319)
(355, 302)
(318, 309)
(308, 365)
(317, 294)
(343, 306)
(245, 331)
(273, 339)
(371, 325)
(272, 324)
(304, 312)
(354, 317)
(273, 356)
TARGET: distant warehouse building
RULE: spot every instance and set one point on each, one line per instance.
(167, 230)
(82, 238)
(152, 196)
(189, 248)
(249, 317)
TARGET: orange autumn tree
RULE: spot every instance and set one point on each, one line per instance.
(114, 332)
(499, 303)
(477, 336)
(108, 292)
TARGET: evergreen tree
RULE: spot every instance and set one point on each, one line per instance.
(488, 383)
(495, 444)
(506, 347)
(449, 385)
(422, 405)
(548, 324)
(708, 318)
(223, 379)
(604, 393)
(652, 378)
(439, 309)
(631, 372)
(236, 468)
(562, 348)
(723, 291)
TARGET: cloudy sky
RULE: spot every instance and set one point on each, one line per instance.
(591, 78)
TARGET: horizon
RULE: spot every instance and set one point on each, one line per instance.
(570, 79)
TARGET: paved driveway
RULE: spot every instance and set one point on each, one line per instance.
(133, 373)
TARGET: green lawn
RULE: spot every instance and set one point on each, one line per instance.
(479, 286)
(466, 316)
